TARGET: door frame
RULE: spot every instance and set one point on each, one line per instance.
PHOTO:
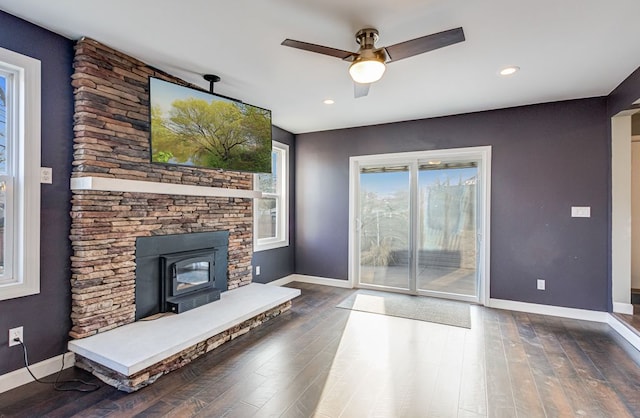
(482, 154)
(620, 216)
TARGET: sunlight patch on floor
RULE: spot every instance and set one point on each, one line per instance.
(387, 365)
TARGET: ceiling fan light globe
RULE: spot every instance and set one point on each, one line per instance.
(367, 71)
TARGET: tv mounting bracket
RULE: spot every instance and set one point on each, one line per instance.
(212, 79)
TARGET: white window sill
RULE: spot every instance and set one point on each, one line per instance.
(270, 245)
(17, 290)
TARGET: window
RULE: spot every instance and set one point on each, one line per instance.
(271, 212)
(19, 175)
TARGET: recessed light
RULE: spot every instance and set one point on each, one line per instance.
(509, 70)
(328, 101)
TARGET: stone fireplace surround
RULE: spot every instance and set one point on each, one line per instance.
(111, 151)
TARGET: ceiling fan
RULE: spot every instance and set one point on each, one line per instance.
(368, 64)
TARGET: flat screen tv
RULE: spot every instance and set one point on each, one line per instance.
(199, 129)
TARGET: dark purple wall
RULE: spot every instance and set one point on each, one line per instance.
(277, 263)
(546, 158)
(45, 316)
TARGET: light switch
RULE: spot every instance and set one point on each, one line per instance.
(580, 211)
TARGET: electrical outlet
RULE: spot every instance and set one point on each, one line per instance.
(541, 284)
(13, 334)
(46, 175)
(257, 270)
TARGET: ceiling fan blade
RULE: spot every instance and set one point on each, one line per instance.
(360, 90)
(319, 49)
(424, 44)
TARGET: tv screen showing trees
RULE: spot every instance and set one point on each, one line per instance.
(195, 128)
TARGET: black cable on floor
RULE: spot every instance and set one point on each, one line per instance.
(59, 384)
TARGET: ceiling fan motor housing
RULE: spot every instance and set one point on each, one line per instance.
(367, 38)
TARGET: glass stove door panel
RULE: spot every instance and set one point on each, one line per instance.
(192, 274)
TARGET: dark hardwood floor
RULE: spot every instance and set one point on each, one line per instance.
(321, 361)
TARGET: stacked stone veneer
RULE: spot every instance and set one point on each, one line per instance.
(112, 140)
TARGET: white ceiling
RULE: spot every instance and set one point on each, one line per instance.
(566, 49)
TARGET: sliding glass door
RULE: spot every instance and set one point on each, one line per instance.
(384, 226)
(447, 227)
(419, 220)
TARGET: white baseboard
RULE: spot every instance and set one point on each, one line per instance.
(623, 308)
(573, 313)
(559, 311)
(313, 280)
(44, 368)
(583, 314)
(282, 281)
(631, 337)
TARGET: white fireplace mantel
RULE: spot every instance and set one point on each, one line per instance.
(107, 184)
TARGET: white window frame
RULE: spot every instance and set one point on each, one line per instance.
(282, 204)
(23, 176)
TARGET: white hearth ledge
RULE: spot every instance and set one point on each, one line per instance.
(134, 347)
(108, 184)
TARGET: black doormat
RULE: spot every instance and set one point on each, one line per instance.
(420, 308)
